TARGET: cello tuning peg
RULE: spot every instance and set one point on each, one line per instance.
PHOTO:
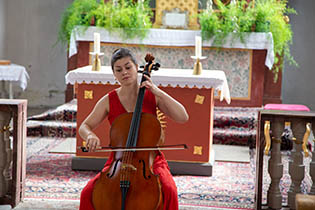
(156, 66)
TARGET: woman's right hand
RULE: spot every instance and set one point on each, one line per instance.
(92, 142)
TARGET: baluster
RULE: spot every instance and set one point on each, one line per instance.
(275, 168)
(312, 171)
(296, 164)
(5, 157)
(312, 165)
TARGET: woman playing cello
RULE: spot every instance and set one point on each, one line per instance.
(123, 100)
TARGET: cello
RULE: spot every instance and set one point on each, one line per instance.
(129, 182)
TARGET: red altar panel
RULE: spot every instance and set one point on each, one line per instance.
(196, 133)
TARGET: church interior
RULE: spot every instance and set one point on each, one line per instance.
(242, 70)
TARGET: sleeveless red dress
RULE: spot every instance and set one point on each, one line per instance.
(160, 165)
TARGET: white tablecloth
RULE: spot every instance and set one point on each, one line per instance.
(14, 73)
(174, 77)
(172, 37)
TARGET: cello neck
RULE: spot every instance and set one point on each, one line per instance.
(135, 122)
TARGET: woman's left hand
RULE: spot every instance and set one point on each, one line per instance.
(166, 103)
(149, 85)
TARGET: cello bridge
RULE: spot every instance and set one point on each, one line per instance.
(127, 165)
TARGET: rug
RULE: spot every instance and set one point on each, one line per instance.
(231, 153)
(235, 125)
(49, 176)
(68, 146)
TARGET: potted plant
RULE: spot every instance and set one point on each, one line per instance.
(255, 16)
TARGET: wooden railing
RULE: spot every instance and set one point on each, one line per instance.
(12, 150)
(273, 121)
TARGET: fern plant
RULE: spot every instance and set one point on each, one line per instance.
(260, 16)
(236, 18)
(271, 16)
(76, 14)
(127, 18)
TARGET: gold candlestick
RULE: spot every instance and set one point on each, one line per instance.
(96, 61)
(96, 65)
(197, 65)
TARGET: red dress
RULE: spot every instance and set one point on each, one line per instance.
(160, 165)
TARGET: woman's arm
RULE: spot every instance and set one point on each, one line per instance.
(166, 103)
(98, 114)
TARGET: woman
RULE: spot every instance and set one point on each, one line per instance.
(120, 101)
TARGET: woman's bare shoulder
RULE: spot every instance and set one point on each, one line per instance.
(104, 101)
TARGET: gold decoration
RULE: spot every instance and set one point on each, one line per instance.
(4, 129)
(88, 94)
(199, 99)
(287, 124)
(197, 150)
(276, 140)
(305, 139)
(267, 137)
(182, 5)
(161, 117)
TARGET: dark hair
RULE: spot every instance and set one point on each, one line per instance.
(122, 53)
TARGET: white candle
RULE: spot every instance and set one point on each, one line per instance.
(97, 44)
(198, 46)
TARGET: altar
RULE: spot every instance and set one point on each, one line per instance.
(195, 92)
(247, 66)
(14, 73)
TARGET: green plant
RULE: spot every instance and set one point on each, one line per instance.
(125, 17)
(75, 14)
(236, 18)
(128, 19)
(272, 15)
(262, 16)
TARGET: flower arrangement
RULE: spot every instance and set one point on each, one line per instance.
(254, 16)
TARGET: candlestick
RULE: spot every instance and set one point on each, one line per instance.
(97, 44)
(197, 57)
(198, 46)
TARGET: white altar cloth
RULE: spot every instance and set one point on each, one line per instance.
(14, 73)
(164, 77)
(172, 37)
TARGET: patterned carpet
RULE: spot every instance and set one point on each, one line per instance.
(49, 176)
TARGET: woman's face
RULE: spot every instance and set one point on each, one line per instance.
(125, 71)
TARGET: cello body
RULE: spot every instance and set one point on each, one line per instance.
(144, 191)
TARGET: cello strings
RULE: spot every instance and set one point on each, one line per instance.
(134, 131)
(128, 155)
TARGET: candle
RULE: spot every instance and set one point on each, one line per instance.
(97, 43)
(198, 46)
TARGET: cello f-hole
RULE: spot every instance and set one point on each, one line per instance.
(143, 170)
(114, 169)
